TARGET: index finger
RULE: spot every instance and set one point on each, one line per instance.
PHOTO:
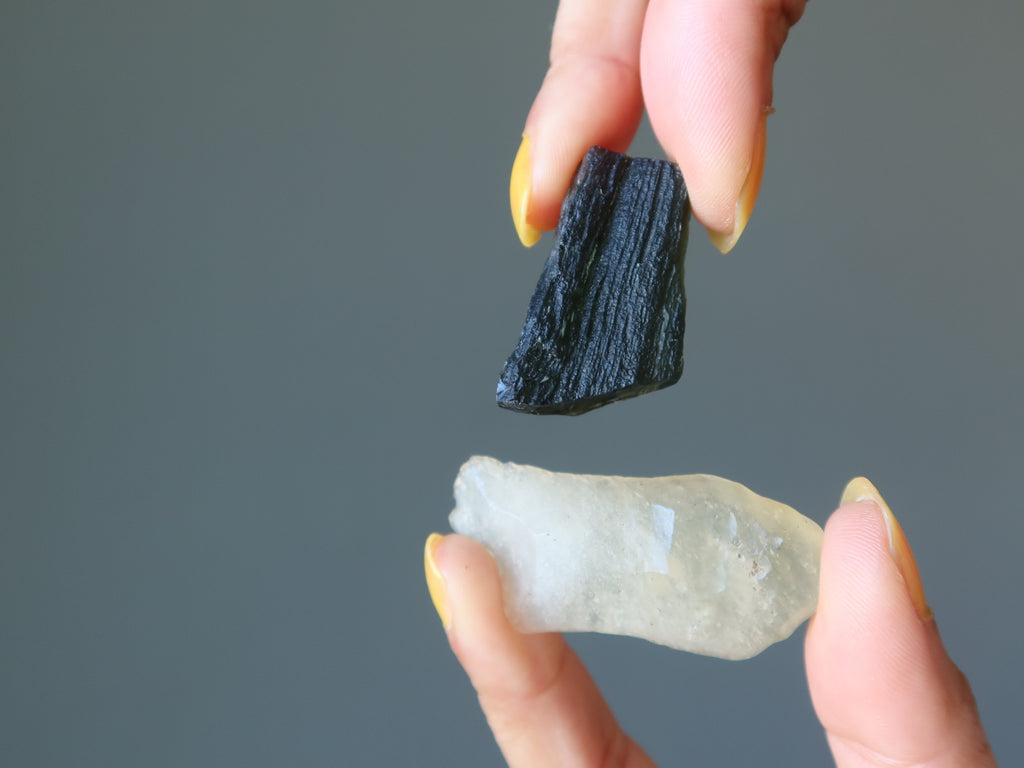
(590, 95)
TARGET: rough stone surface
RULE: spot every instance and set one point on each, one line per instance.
(607, 317)
(694, 562)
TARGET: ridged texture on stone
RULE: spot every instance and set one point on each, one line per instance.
(607, 316)
(693, 562)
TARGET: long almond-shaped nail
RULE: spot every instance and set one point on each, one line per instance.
(435, 581)
(724, 241)
(519, 193)
(861, 489)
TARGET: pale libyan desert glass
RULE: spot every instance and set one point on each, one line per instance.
(693, 562)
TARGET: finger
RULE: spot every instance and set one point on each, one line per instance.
(540, 702)
(881, 682)
(590, 95)
(706, 68)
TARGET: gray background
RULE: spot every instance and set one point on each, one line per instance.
(258, 278)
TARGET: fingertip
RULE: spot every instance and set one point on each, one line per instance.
(865, 645)
(498, 658)
(590, 96)
(520, 186)
(862, 489)
(726, 241)
(473, 594)
(879, 677)
(858, 576)
(706, 70)
(584, 101)
(471, 584)
(435, 578)
(463, 580)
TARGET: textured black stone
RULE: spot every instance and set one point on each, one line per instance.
(607, 317)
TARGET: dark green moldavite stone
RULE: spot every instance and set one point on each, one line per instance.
(607, 317)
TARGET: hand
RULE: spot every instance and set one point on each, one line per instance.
(704, 70)
(881, 683)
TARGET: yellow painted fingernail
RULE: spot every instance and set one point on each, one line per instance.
(724, 241)
(435, 581)
(861, 489)
(519, 193)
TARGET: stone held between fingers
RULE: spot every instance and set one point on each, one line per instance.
(607, 316)
(694, 562)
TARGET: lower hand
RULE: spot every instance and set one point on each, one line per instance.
(886, 692)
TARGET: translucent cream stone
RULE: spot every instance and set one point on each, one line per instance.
(693, 562)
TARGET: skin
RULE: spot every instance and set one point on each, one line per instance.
(882, 685)
(703, 70)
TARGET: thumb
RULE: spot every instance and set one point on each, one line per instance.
(706, 71)
(881, 682)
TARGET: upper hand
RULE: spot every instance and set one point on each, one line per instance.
(704, 70)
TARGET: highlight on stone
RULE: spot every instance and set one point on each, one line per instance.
(606, 319)
(694, 562)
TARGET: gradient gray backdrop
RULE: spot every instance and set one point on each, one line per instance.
(257, 280)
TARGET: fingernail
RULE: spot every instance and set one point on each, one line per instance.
(724, 241)
(861, 489)
(519, 193)
(435, 581)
